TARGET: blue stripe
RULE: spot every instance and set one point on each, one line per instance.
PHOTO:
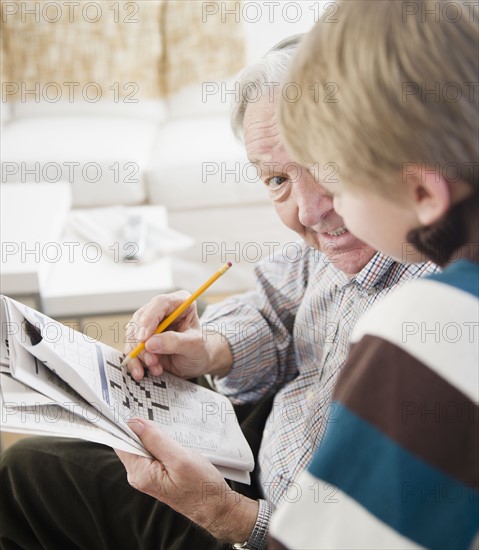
(101, 367)
(463, 275)
(412, 497)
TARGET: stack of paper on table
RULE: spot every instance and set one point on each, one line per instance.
(57, 381)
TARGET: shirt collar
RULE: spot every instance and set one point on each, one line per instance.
(374, 272)
(371, 275)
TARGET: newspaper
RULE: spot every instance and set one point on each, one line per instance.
(57, 381)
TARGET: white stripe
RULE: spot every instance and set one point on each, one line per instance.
(325, 517)
(437, 324)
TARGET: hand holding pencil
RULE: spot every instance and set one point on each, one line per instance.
(168, 350)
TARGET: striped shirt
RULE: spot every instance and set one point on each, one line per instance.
(399, 464)
(291, 337)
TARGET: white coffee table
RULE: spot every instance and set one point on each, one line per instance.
(32, 219)
(97, 282)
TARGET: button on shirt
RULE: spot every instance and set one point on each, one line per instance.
(291, 337)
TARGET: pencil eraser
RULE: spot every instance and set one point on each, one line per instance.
(229, 264)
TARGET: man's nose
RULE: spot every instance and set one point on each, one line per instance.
(312, 203)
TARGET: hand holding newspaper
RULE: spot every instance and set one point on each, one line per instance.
(57, 381)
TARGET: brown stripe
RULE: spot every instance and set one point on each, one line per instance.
(413, 405)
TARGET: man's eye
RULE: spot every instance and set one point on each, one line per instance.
(275, 182)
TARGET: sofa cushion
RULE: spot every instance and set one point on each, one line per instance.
(146, 109)
(103, 158)
(196, 163)
(5, 113)
(200, 99)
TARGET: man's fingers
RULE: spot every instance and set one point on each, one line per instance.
(170, 343)
(145, 321)
(159, 308)
(135, 366)
(153, 363)
(136, 369)
(142, 327)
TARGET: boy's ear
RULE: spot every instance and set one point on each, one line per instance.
(430, 195)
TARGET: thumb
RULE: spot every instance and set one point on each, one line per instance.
(156, 441)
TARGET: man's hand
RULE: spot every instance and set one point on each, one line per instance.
(181, 349)
(188, 483)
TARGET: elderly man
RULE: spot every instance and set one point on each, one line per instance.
(75, 494)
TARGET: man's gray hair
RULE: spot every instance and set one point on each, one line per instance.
(252, 81)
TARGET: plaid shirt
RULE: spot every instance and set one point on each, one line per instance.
(291, 337)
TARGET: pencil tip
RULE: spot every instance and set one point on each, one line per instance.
(125, 361)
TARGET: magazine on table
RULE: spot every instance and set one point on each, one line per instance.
(57, 381)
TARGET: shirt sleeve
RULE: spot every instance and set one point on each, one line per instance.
(259, 328)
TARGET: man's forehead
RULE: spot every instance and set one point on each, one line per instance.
(261, 131)
(260, 114)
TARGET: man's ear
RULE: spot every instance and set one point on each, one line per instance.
(430, 195)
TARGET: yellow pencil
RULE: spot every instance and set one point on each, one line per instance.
(178, 311)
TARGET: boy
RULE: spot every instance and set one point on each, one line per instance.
(399, 464)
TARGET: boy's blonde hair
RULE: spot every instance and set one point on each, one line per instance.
(406, 76)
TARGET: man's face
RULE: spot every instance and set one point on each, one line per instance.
(300, 201)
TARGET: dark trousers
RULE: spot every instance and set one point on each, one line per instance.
(67, 494)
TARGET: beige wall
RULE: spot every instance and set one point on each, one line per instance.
(160, 46)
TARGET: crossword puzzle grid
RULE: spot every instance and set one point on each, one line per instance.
(147, 398)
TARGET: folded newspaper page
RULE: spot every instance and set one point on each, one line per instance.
(57, 381)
